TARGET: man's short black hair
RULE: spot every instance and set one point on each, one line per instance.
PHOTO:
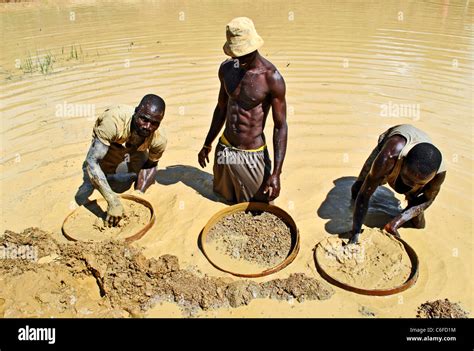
(153, 103)
(425, 158)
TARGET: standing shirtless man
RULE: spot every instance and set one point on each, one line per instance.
(250, 85)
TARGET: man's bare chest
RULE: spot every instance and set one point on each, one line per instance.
(249, 90)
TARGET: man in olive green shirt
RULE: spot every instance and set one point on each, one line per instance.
(126, 140)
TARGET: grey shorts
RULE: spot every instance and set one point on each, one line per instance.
(240, 175)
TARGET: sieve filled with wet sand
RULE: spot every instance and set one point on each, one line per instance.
(87, 222)
(379, 264)
(250, 239)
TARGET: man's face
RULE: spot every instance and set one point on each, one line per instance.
(413, 179)
(147, 123)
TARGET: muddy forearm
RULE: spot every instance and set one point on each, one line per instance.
(99, 181)
(410, 213)
(419, 204)
(280, 137)
(97, 176)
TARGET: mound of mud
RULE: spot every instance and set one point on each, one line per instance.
(114, 279)
(441, 309)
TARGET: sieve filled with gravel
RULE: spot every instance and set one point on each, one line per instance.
(258, 237)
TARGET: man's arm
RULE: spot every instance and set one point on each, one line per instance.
(218, 120)
(364, 171)
(426, 198)
(146, 176)
(97, 152)
(280, 132)
(382, 165)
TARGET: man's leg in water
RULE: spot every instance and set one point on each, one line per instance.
(86, 189)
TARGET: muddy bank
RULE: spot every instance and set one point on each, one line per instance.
(441, 309)
(113, 279)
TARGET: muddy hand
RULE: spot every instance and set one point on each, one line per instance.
(115, 213)
(203, 156)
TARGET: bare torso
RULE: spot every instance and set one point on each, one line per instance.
(248, 104)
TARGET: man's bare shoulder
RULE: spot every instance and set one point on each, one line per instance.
(387, 156)
(225, 66)
(226, 61)
(272, 75)
(274, 80)
(394, 145)
(269, 67)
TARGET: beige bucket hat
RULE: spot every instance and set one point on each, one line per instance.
(242, 37)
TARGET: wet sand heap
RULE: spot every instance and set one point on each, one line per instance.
(113, 279)
(441, 309)
(257, 237)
